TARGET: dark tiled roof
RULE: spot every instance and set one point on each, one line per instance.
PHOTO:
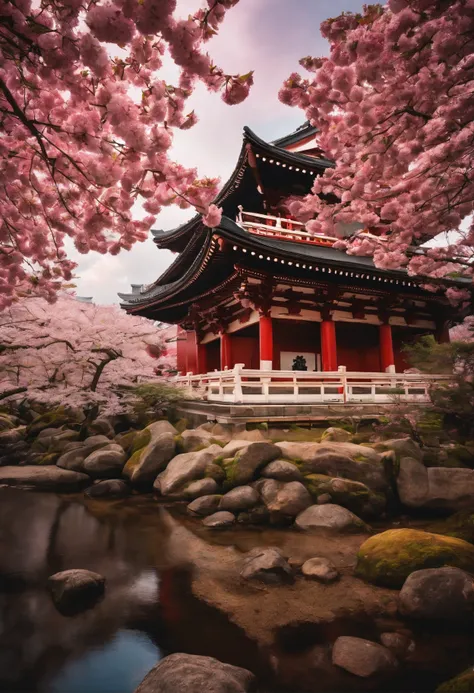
(299, 134)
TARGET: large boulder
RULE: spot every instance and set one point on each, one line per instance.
(267, 565)
(43, 478)
(219, 520)
(353, 495)
(10, 436)
(108, 488)
(201, 487)
(362, 657)
(184, 673)
(284, 498)
(105, 463)
(321, 569)
(389, 558)
(329, 517)
(338, 435)
(205, 505)
(282, 470)
(436, 487)
(183, 469)
(75, 590)
(152, 449)
(403, 447)
(54, 439)
(240, 498)
(333, 459)
(76, 452)
(248, 461)
(438, 593)
(197, 439)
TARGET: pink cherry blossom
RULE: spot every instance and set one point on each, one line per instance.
(85, 135)
(212, 217)
(54, 353)
(394, 110)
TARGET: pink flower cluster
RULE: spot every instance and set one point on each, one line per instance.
(394, 110)
(86, 135)
(53, 351)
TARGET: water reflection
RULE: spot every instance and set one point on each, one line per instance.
(148, 609)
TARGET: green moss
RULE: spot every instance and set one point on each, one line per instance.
(463, 683)
(179, 444)
(317, 484)
(125, 440)
(220, 443)
(55, 418)
(229, 466)
(459, 456)
(181, 425)
(141, 440)
(459, 525)
(132, 463)
(49, 458)
(388, 558)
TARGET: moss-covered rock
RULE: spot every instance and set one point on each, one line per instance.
(353, 495)
(388, 558)
(459, 525)
(126, 440)
(463, 683)
(55, 418)
(151, 451)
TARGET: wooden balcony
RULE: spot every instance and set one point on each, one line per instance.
(287, 229)
(246, 386)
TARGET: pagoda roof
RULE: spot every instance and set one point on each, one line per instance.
(301, 133)
(301, 164)
(209, 270)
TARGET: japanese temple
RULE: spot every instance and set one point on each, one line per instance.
(267, 312)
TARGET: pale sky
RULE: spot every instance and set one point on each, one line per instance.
(267, 36)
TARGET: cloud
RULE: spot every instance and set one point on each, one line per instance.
(267, 36)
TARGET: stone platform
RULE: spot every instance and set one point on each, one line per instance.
(199, 412)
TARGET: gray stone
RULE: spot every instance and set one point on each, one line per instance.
(219, 520)
(282, 470)
(403, 447)
(436, 487)
(283, 498)
(12, 435)
(184, 673)
(240, 498)
(102, 425)
(45, 478)
(330, 517)
(75, 590)
(159, 427)
(54, 439)
(321, 569)
(184, 468)
(255, 436)
(339, 435)
(195, 439)
(201, 487)
(400, 644)
(205, 505)
(324, 498)
(106, 462)
(362, 657)
(109, 488)
(144, 465)
(266, 565)
(76, 452)
(249, 460)
(438, 593)
(233, 447)
(334, 459)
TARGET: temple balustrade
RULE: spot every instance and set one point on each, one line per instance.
(241, 385)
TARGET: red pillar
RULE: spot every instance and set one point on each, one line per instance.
(181, 351)
(387, 359)
(202, 359)
(328, 345)
(225, 351)
(266, 343)
(191, 352)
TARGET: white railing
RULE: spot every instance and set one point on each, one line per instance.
(279, 227)
(247, 386)
(289, 229)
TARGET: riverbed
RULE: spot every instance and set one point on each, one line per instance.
(173, 586)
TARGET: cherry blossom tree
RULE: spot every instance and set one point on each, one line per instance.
(394, 108)
(76, 354)
(85, 134)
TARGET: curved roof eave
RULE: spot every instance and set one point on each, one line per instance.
(288, 157)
